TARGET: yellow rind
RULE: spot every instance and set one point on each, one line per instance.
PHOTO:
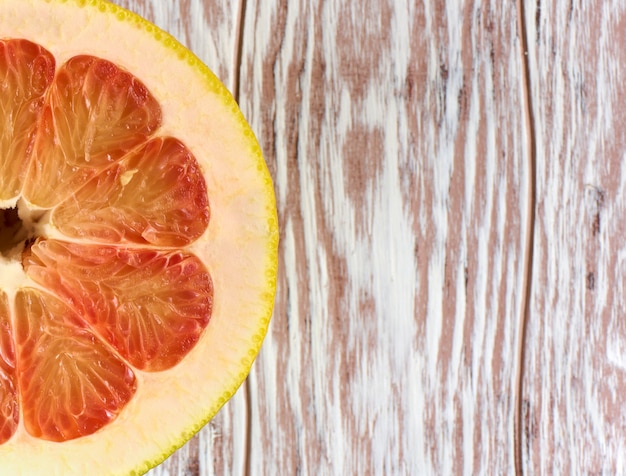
(266, 295)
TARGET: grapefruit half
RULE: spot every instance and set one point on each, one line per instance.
(138, 241)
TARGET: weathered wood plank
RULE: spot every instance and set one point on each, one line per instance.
(395, 132)
(575, 361)
(210, 30)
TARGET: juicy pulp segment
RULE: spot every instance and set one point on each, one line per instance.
(93, 115)
(156, 195)
(26, 71)
(9, 409)
(71, 384)
(150, 305)
(81, 144)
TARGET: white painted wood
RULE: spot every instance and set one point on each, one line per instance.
(575, 361)
(396, 137)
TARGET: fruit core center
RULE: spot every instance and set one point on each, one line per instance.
(19, 227)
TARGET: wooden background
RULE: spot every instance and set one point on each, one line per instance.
(451, 182)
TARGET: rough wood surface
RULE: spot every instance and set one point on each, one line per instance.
(574, 419)
(408, 164)
(396, 142)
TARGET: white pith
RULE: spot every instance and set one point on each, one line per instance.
(169, 406)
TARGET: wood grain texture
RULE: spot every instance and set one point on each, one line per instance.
(574, 419)
(396, 137)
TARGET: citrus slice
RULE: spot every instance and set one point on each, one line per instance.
(138, 241)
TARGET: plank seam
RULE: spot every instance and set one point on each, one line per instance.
(239, 33)
(529, 121)
(237, 66)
